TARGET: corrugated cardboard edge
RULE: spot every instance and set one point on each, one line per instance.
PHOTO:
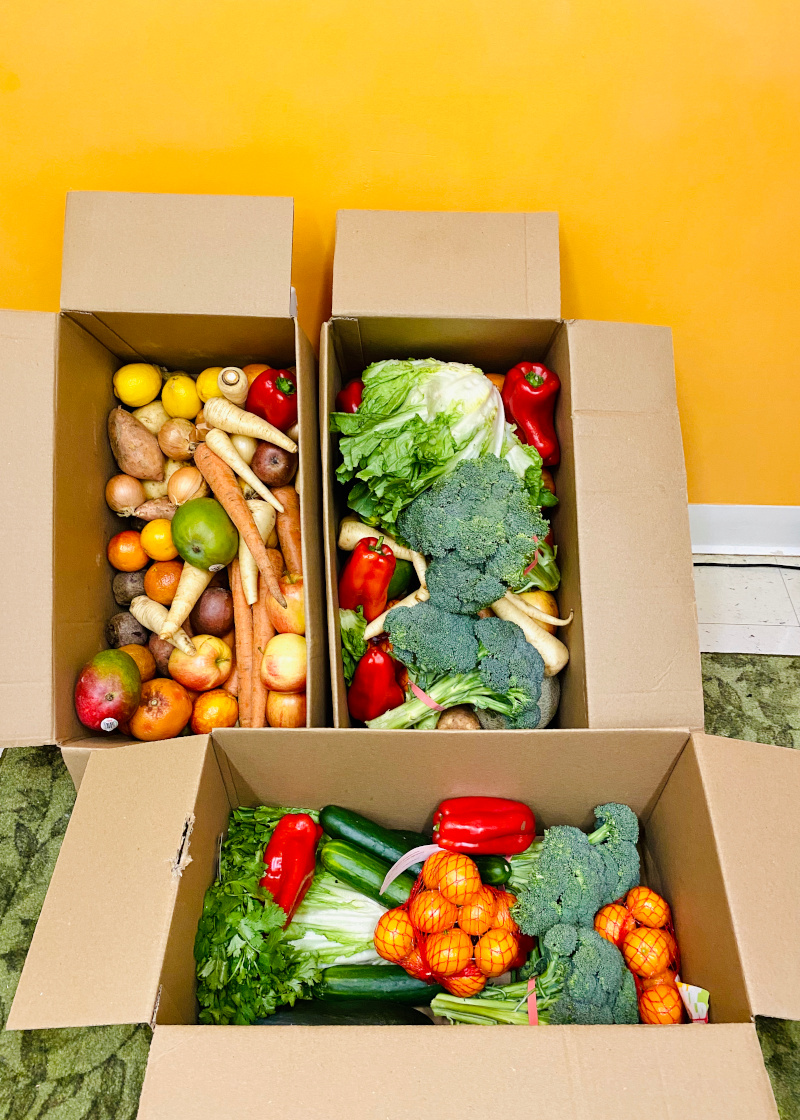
(331, 1073)
(447, 264)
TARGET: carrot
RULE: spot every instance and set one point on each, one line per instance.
(222, 481)
(288, 524)
(220, 444)
(232, 683)
(263, 630)
(221, 413)
(191, 586)
(278, 563)
(243, 622)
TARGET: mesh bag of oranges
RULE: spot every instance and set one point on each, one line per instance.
(454, 930)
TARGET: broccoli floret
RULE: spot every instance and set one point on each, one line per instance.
(432, 640)
(626, 1005)
(461, 588)
(616, 839)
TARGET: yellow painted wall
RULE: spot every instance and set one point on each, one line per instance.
(664, 131)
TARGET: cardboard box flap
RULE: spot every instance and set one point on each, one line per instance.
(179, 254)
(27, 369)
(329, 1073)
(446, 264)
(753, 792)
(98, 949)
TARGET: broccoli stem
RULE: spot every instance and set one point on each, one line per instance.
(507, 1004)
(449, 691)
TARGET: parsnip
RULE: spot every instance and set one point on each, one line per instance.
(191, 586)
(264, 517)
(233, 384)
(221, 413)
(220, 444)
(376, 626)
(554, 653)
(153, 615)
(536, 614)
(351, 531)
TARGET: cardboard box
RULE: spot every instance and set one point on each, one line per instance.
(185, 281)
(718, 839)
(484, 288)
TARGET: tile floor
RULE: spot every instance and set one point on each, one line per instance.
(748, 604)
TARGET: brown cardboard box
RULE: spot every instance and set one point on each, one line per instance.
(186, 281)
(140, 850)
(484, 288)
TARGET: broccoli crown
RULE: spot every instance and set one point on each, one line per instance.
(461, 588)
(584, 979)
(615, 839)
(567, 883)
(510, 665)
(626, 1005)
(619, 822)
(432, 639)
(481, 515)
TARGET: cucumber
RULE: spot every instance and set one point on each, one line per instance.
(495, 870)
(400, 581)
(346, 1013)
(375, 982)
(344, 824)
(412, 839)
(365, 872)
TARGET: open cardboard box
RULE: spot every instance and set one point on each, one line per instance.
(484, 288)
(185, 281)
(140, 851)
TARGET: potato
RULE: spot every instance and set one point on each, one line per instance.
(124, 630)
(126, 586)
(461, 718)
(135, 449)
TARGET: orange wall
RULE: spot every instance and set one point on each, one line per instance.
(665, 134)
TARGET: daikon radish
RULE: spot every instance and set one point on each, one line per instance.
(221, 413)
(376, 626)
(191, 586)
(220, 444)
(233, 384)
(153, 615)
(554, 653)
(264, 518)
(351, 531)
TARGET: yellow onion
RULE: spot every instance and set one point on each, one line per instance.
(185, 484)
(124, 494)
(178, 439)
(246, 446)
(200, 424)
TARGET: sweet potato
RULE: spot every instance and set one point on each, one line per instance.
(135, 449)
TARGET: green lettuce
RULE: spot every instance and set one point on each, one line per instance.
(352, 625)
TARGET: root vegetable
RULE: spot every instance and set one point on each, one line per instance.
(124, 630)
(272, 539)
(161, 651)
(376, 626)
(126, 586)
(243, 621)
(246, 446)
(153, 615)
(222, 481)
(155, 508)
(124, 494)
(263, 631)
(191, 586)
(264, 518)
(178, 438)
(220, 413)
(220, 444)
(351, 531)
(273, 465)
(203, 427)
(154, 416)
(134, 447)
(185, 484)
(554, 653)
(155, 490)
(233, 384)
(536, 613)
(288, 526)
(461, 718)
(213, 614)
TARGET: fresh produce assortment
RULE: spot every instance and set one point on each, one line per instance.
(209, 578)
(313, 909)
(446, 607)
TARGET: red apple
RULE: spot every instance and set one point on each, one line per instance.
(290, 619)
(209, 667)
(286, 709)
(283, 666)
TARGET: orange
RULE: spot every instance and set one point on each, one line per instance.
(394, 935)
(661, 1004)
(477, 913)
(161, 580)
(157, 539)
(502, 918)
(613, 922)
(466, 983)
(216, 708)
(144, 659)
(647, 907)
(253, 370)
(125, 552)
(459, 878)
(448, 952)
(430, 912)
(495, 951)
(647, 951)
(430, 869)
(416, 965)
(163, 712)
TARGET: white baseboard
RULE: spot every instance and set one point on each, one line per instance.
(745, 530)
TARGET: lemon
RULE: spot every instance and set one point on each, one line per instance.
(179, 397)
(137, 384)
(207, 386)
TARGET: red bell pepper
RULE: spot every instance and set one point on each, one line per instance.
(374, 689)
(348, 399)
(365, 581)
(273, 397)
(529, 398)
(484, 826)
(290, 857)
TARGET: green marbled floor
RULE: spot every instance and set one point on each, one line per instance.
(96, 1073)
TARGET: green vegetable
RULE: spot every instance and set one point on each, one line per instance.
(412, 839)
(495, 870)
(461, 588)
(346, 1013)
(431, 640)
(416, 421)
(376, 982)
(568, 876)
(344, 824)
(351, 626)
(364, 872)
(401, 580)
(335, 923)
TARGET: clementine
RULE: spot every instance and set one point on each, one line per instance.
(125, 552)
(144, 659)
(216, 708)
(163, 712)
(394, 935)
(495, 951)
(157, 539)
(161, 580)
